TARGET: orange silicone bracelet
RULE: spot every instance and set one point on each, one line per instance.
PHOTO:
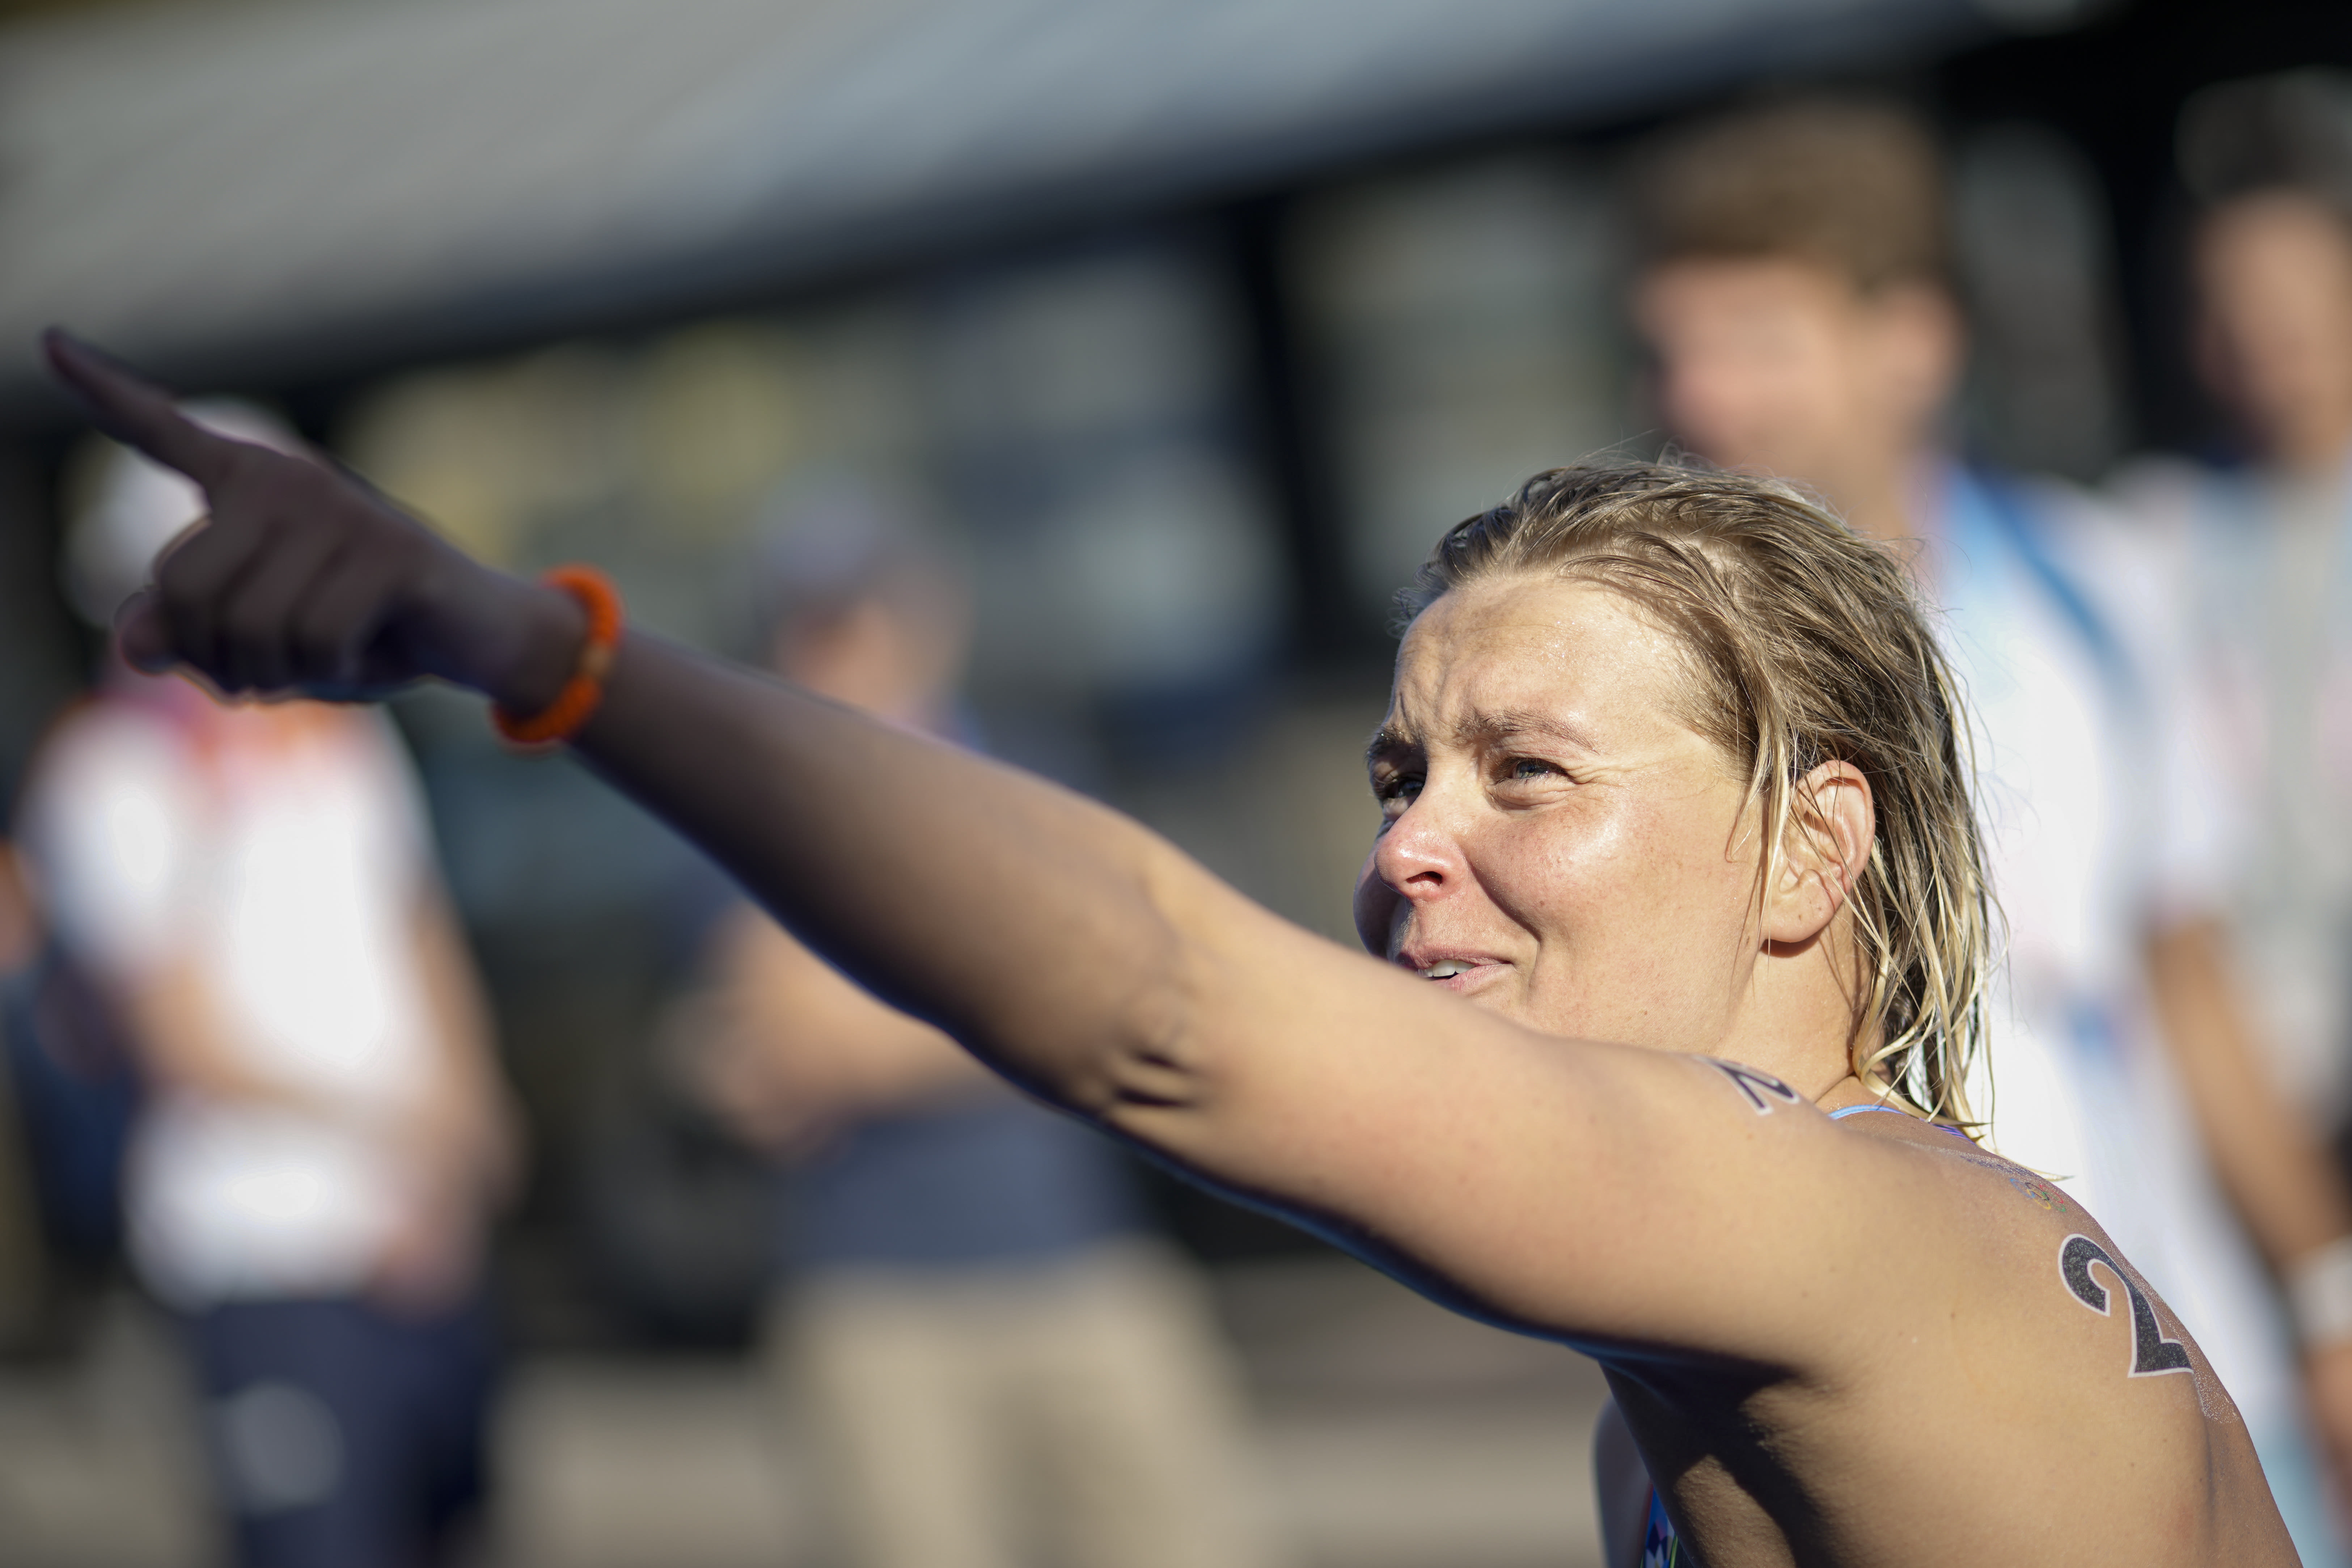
(577, 702)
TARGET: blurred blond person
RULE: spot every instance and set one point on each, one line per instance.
(323, 1136)
(996, 1364)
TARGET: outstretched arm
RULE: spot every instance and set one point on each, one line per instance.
(1575, 1188)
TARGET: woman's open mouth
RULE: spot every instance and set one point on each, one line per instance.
(1454, 973)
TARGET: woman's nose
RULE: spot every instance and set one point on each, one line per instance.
(1414, 859)
(1419, 856)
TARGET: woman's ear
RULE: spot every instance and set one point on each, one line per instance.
(1832, 825)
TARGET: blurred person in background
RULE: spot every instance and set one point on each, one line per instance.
(72, 1089)
(997, 1364)
(252, 886)
(23, 1271)
(19, 926)
(1796, 289)
(2263, 548)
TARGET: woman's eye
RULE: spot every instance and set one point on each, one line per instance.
(1517, 771)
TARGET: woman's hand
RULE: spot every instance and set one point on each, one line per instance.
(304, 580)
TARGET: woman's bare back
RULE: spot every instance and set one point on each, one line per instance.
(2052, 1410)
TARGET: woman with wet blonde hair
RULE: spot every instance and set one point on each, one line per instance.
(1670, 796)
(1804, 646)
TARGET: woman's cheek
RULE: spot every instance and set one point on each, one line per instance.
(1560, 890)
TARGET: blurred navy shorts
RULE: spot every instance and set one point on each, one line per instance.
(342, 1436)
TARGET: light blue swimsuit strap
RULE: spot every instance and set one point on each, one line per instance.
(1841, 1113)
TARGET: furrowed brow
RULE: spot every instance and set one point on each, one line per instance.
(1485, 730)
(1388, 743)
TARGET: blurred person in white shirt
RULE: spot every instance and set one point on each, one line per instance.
(324, 1135)
(1795, 291)
(2261, 544)
(2265, 538)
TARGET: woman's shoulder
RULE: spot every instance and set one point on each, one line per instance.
(1970, 1168)
(2001, 1228)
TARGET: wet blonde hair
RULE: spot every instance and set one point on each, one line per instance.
(1808, 644)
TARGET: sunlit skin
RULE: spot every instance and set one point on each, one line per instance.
(2275, 328)
(1780, 366)
(1551, 824)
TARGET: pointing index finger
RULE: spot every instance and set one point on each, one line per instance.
(135, 411)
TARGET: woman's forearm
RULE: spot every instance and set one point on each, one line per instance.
(1023, 920)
